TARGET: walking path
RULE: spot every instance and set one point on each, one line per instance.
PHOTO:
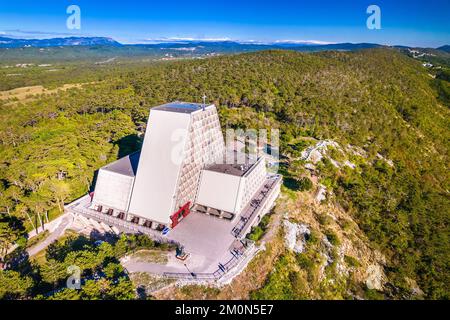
(59, 226)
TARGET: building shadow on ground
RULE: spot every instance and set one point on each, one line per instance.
(129, 144)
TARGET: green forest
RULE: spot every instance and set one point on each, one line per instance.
(380, 100)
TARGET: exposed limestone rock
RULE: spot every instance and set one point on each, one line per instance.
(321, 194)
(415, 289)
(315, 153)
(356, 151)
(375, 277)
(388, 161)
(328, 248)
(352, 259)
(295, 236)
(349, 164)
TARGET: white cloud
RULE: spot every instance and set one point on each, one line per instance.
(221, 39)
(186, 39)
(312, 42)
(36, 34)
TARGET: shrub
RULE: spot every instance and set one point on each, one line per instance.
(291, 184)
(332, 238)
(256, 233)
(351, 261)
(304, 262)
(371, 294)
(323, 219)
(312, 238)
(305, 184)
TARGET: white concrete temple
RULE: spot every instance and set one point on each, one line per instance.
(180, 168)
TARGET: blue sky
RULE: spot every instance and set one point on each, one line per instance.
(405, 22)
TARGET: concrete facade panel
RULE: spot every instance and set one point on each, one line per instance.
(113, 190)
(220, 191)
(159, 165)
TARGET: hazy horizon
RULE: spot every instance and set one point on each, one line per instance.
(410, 23)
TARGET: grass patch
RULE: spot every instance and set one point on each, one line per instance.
(193, 291)
(279, 284)
(39, 258)
(305, 262)
(351, 261)
(150, 256)
(332, 238)
(371, 294)
(38, 238)
(146, 283)
(323, 219)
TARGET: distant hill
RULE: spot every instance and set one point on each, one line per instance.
(445, 48)
(245, 46)
(238, 47)
(100, 50)
(339, 46)
(223, 45)
(437, 57)
(56, 42)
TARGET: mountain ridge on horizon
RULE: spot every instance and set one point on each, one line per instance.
(9, 42)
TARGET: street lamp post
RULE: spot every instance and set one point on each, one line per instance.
(192, 274)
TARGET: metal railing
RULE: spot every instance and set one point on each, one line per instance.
(216, 275)
(191, 276)
(263, 194)
(126, 225)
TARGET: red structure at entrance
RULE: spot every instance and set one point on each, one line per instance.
(180, 214)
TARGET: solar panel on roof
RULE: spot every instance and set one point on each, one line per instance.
(182, 107)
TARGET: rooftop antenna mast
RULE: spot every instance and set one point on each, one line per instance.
(204, 102)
